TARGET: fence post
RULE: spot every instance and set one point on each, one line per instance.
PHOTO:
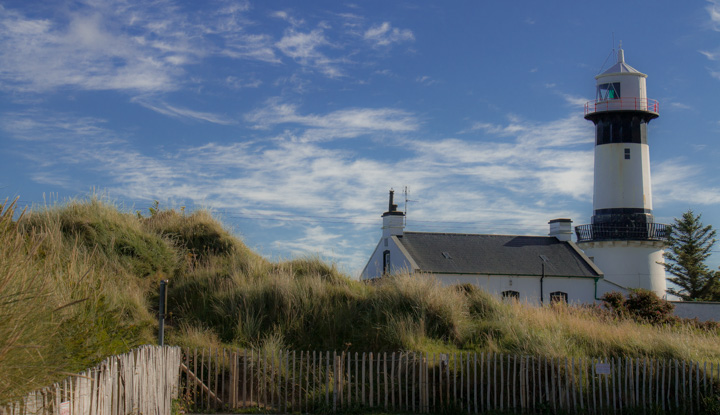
(475, 380)
(363, 379)
(327, 377)
(357, 376)
(407, 381)
(392, 381)
(440, 376)
(307, 380)
(370, 375)
(357, 383)
(335, 382)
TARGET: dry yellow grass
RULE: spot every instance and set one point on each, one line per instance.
(78, 282)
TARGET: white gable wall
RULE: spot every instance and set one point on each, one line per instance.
(579, 290)
(399, 260)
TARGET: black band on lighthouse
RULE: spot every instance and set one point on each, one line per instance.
(622, 211)
(621, 126)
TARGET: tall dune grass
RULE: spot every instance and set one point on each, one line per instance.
(23, 300)
(78, 282)
(65, 303)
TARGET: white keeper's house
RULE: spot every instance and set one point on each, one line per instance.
(527, 268)
(620, 250)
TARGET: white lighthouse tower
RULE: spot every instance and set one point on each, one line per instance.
(623, 239)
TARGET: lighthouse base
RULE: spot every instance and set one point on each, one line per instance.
(628, 264)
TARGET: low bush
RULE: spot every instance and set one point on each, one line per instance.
(641, 305)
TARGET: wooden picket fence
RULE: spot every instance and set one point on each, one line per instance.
(302, 381)
(142, 381)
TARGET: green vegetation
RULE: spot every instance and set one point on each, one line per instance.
(79, 281)
(690, 245)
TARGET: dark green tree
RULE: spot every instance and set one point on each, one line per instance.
(690, 244)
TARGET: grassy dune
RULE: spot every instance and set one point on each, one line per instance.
(78, 282)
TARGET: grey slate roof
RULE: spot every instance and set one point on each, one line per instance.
(451, 253)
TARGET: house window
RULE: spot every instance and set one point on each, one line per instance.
(627, 154)
(558, 297)
(608, 91)
(386, 261)
(510, 295)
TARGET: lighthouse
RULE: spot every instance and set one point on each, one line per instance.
(623, 239)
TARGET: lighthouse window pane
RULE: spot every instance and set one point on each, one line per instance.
(616, 130)
(627, 154)
(636, 134)
(604, 133)
(608, 91)
(626, 130)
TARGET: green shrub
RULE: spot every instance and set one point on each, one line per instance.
(97, 225)
(641, 305)
(198, 233)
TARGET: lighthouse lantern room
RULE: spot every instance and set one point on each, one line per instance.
(623, 239)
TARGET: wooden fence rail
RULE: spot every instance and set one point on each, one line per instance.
(307, 381)
(142, 381)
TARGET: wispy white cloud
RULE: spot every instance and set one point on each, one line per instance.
(329, 244)
(385, 35)
(713, 10)
(129, 46)
(677, 180)
(572, 100)
(284, 15)
(508, 178)
(680, 106)
(35, 125)
(178, 112)
(239, 83)
(258, 47)
(39, 54)
(713, 56)
(425, 80)
(303, 48)
(347, 123)
(540, 159)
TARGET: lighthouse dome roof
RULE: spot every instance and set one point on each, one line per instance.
(621, 66)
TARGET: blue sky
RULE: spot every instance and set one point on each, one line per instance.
(291, 120)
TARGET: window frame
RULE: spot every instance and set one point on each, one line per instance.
(605, 90)
(386, 261)
(510, 295)
(558, 297)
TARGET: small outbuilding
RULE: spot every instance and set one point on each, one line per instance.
(536, 269)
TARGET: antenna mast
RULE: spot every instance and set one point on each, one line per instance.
(612, 52)
(406, 193)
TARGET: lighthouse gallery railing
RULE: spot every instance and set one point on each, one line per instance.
(622, 104)
(605, 232)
